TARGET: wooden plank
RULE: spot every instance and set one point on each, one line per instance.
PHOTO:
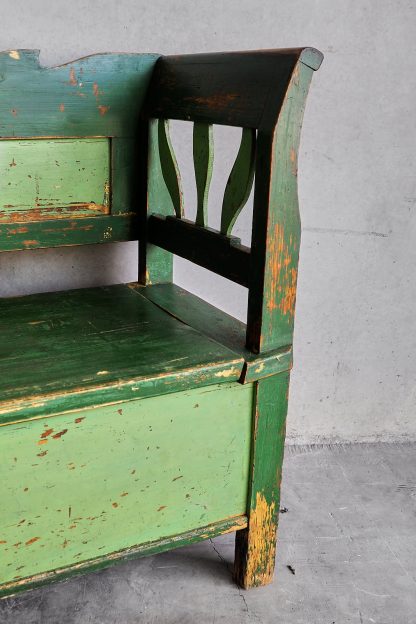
(240, 181)
(208, 248)
(256, 545)
(276, 224)
(267, 364)
(124, 179)
(74, 349)
(54, 179)
(221, 327)
(200, 315)
(152, 467)
(231, 88)
(155, 264)
(68, 232)
(142, 550)
(203, 153)
(98, 95)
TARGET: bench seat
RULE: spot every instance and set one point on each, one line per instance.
(59, 350)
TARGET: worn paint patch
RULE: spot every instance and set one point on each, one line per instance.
(14, 54)
(283, 275)
(294, 161)
(72, 77)
(226, 373)
(262, 543)
(215, 101)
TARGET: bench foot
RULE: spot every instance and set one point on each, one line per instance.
(255, 547)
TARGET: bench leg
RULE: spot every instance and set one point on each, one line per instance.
(255, 547)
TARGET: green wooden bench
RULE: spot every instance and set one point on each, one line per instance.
(137, 418)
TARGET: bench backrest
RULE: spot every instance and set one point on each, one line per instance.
(264, 93)
(86, 157)
(68, 148)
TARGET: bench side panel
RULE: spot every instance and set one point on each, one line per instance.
(86, 484)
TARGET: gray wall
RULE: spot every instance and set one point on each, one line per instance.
(355, 348)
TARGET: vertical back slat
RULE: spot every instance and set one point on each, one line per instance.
(203, 152)
(169, 165)
(239, 182)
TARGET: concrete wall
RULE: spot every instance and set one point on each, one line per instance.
(355, 347)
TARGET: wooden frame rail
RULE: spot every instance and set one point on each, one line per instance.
(221, 254)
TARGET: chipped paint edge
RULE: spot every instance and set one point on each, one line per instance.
(228, 525)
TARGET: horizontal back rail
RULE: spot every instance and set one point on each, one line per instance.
(223, 255)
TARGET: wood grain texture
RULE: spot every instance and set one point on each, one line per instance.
(54, 178)
(276, 224)
(240, 181)
(169, 167)
(221, 327)
(224, 255)
(203, 153)
(230, 88)
(152, 467)
(256, 545)
(97, 96)
(141, 550)
(69, 350)
(155, 264)
(68, 232)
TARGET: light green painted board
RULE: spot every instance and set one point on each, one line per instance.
(54, 178)
(84, 484)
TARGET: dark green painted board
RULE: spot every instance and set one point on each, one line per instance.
(54, 178)
(221, 327)
(67, 232)
(80, 485)
(77, 348)
(99, 95)
(276, 224)
(156, 264)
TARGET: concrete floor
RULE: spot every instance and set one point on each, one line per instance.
(349, 534)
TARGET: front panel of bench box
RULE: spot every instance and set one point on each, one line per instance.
(83, 485)
(69, 145)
